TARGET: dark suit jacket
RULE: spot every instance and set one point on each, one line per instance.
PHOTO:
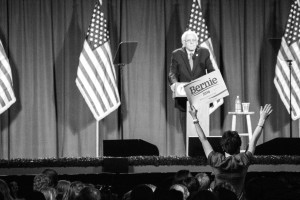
(180, 70)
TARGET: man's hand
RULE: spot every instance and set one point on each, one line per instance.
(173, 87)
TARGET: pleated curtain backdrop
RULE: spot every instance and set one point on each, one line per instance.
(43, 40)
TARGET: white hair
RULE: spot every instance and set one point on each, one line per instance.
(188, 32)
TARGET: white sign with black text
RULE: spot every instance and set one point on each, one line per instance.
(207, 88)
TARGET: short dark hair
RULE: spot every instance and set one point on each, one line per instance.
(89, 193)
(231, 142)
(225, 191)
(192, 184)
(181, 175)
(142, 191)
(53, 176)
(204, 180)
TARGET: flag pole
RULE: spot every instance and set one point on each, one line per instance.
(290, 66)
(97, 138)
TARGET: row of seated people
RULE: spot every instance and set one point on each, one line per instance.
(182, 186)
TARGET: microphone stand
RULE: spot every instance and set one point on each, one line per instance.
(122, 98)
(290, 66)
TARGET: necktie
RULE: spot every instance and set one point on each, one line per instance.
(191, 60)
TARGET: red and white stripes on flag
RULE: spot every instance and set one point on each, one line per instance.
(290, 50)
(7, 96)
(96, 76)
(197, 23)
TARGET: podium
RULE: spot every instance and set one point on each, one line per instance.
(202, 115)
(201, 92)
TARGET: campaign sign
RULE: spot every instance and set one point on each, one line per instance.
(207, 88)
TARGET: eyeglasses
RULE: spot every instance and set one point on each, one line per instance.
(189, 40)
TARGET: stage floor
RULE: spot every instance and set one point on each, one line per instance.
(138, 164)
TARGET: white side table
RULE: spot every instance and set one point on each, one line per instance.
(249, 126)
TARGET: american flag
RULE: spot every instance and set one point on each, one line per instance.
(7, 96)
(96, 76)
(197, 23)
(290, 50)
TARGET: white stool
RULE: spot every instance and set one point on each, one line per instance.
(249, 126)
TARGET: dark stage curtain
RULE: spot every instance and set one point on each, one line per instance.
(44, 38)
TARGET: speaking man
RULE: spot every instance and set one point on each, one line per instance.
(188, 63)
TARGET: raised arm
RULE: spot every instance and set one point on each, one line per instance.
(205, 144)
(264, 113)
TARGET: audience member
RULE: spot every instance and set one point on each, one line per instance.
(35, 195)
(173, 195)
(14, 190)
(142, 192)
(163, 188)
(153, 187)
(181, 188)
(49, 193)
(204, 181)
(73, 191)
(225, 191)
(192, 185)
(231, 167)
(61, 188)
(4, 189)
(204, 195)
(181, 175)
(53, 176)
(40, 181)
(107, 192)
(89, 193)
(1, 196)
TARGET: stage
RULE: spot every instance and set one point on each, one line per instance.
(138, 164)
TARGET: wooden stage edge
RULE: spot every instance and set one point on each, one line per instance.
(138, 164)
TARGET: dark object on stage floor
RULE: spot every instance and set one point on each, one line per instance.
(279, 146)
(195, 146)
(125, 148)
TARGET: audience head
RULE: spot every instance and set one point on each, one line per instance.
(204, 195)
(73, 191)
(231, 142)
(192, 185)
(181, 175)
(40, 181)
(142, 192)
(35, 195)
(4, 189)
(153, 187)
(14, 188)
(204, 181)
(53, 176)
(174, 195)
(181, 188)
(61, 188)
(225, 191)
(49, 193)
(89, 193)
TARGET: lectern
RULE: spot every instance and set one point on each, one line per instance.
(204, 111)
